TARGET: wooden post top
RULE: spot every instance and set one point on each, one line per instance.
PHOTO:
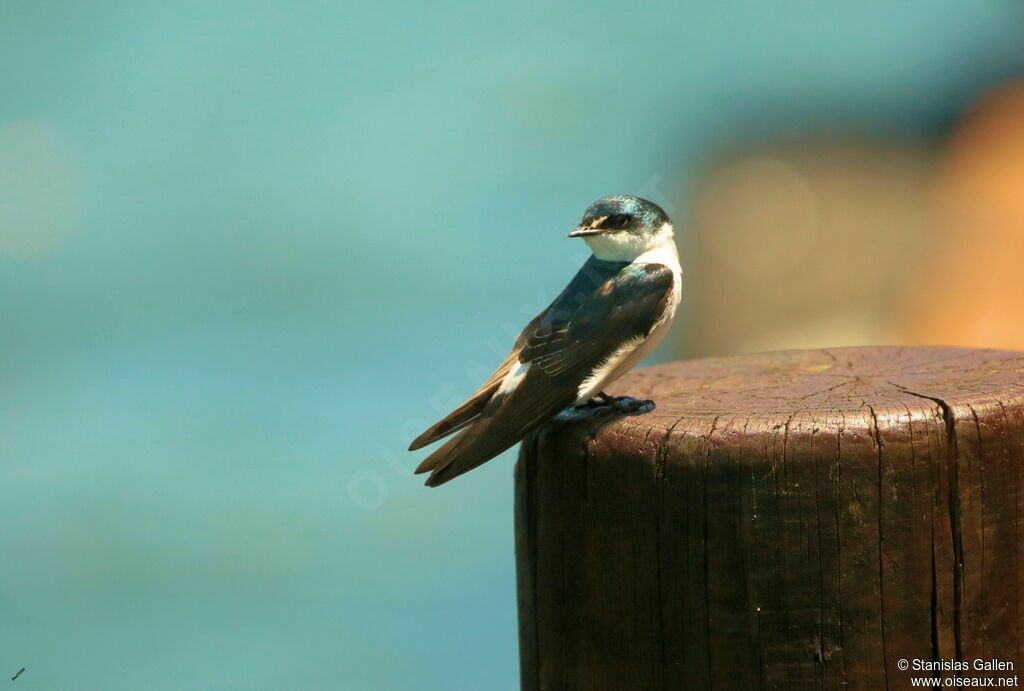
(786, 386)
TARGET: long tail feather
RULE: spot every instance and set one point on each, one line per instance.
(464, 415)
(470, 410)
(439, 456)
(473, 447)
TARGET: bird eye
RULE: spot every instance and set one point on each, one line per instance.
(616, 222)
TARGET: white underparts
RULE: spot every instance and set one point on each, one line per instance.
(606, 371)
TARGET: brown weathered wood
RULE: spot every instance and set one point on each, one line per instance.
(790, 520)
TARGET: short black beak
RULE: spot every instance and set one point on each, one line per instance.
(584, 232)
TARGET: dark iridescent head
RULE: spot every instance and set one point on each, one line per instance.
(621, 213)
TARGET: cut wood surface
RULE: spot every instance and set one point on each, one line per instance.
(804, 519)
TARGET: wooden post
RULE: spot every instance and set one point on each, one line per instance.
(804, 519)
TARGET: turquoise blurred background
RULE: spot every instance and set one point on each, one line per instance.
(249, 249)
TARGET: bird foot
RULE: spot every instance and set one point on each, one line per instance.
(628, 404)
(605, 405)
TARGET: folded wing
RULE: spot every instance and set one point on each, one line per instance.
(606, 305)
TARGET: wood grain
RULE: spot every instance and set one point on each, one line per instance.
(790, 520)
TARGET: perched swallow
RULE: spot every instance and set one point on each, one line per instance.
(610, 317)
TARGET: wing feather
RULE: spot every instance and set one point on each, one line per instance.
(469, 410)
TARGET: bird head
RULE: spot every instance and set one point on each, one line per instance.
(622, 227)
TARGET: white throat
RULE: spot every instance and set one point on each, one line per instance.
(659, 248)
